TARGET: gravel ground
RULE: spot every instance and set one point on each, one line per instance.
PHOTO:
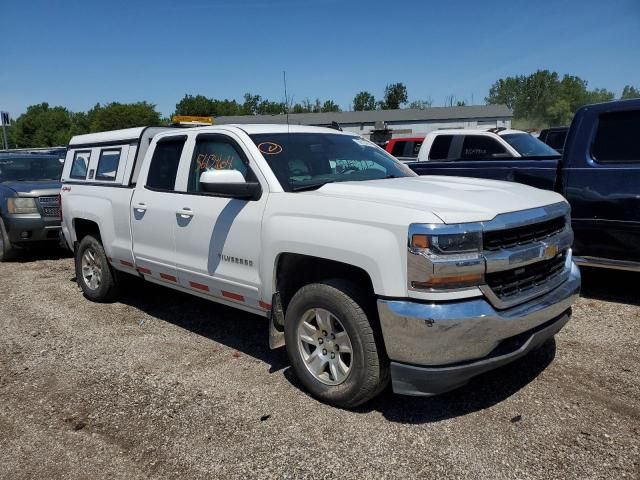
(164, 385)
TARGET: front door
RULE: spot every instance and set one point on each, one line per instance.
(218, 240)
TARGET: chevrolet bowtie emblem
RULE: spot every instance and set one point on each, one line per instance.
(550, 251)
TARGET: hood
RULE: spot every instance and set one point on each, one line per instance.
(43, 187)
(452, 199)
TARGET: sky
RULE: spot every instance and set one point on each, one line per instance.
(78, 53)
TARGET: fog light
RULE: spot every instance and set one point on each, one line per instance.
(25, 235)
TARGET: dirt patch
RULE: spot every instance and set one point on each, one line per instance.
(165, 385)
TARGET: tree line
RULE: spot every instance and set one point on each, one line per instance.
(537, 100)
(544, 99)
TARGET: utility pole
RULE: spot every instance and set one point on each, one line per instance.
(4, 120)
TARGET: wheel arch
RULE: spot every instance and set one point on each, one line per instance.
(294, 270)
(83, 227)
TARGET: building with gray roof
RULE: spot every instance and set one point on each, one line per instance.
(401, 122)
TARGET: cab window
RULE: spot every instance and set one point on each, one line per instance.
(440, 147)
(615, 140)
(481, 147)
(216, 152)
(108, 164)
(80, 164)
(398, 148)
(164, 163)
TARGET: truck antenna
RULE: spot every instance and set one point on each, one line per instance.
(286, 98)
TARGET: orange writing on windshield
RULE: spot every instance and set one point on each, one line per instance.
(211, 161)
(269, 148)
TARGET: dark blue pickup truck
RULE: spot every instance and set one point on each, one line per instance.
(598, 173)
(29, 201)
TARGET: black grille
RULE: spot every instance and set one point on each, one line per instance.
(512, 282)
(50, 206)
(522, 235)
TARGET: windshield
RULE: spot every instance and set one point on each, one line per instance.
(529, 146)
(303, 161)
(29, 169)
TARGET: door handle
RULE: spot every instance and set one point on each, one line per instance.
(141, 207)
(185, 212)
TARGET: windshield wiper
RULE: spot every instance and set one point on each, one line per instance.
(311, 186)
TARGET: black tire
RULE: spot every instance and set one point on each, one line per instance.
(7, 252)
(369, 371)
(107, 288)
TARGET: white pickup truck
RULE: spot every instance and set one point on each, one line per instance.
(365, 271)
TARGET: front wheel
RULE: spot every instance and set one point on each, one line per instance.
(6, 250)
(93, 272)
(332, 345)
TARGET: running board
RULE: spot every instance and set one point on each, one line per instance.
(608, 263)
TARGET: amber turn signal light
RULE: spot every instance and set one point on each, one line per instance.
(458, 281)
(420, 241)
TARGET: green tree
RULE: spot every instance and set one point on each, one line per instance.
(197, 105)
(299, 108)
(330, 106)
(250, 105)
(629, 91)
(421, 104)
(599, 95)
(41, 126)
(395, 95)
(200, 105)
(114, 116)
(543, 98)
(364, 101)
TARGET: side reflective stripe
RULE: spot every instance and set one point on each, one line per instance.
(233, 296)
(199, 286)
(265, 305)
(126, 264)
(146, 271)
(166, 276)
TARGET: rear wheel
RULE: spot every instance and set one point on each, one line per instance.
(94, 275)
(7, 252)
(332, 344)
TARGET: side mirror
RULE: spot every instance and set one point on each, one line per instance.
(229, 183)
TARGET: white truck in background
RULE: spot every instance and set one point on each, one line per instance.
(365, 271)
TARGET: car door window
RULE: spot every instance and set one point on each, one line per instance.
(615, 140)
(440, 147)
(556, 139)
(398, 149)
(164, 164)
(216, 152)
(481, 147)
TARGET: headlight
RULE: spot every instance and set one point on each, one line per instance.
(445, 257)
(448, 243)
(22, 205)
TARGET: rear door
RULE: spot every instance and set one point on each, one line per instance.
(218, 239)
(482, 156)
(153, 212)
(603, 184)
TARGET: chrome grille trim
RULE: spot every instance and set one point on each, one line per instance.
(550, 283)
(50, 206)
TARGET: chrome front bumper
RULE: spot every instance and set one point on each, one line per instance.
(435, 347)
